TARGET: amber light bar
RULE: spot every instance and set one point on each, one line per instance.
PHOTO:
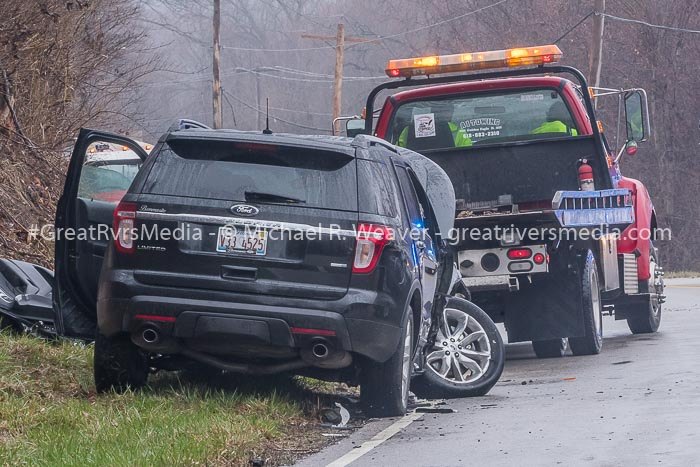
(437, 64)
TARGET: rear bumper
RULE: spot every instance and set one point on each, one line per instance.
(491, 283)
(363, 322)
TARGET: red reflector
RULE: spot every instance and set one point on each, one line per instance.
(159, 318)
(315, 332)
(538, 258)
(519, 253)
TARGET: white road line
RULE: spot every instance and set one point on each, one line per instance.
(378, 439)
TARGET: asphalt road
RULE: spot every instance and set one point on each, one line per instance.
(637, 403)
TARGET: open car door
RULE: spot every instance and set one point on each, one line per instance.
(101, 169)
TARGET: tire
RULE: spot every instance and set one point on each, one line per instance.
(592, 341)
(648, 319)
(384, 386)
(479, 366)
(118, 364)
(552, 348)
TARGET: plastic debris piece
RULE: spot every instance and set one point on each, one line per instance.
(435, 410)
(344, 415)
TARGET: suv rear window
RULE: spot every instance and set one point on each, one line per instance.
(463, 121)
(238, 171)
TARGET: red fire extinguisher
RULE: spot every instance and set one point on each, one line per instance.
(585, 176)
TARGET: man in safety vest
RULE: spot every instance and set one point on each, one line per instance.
(442, 114)
(558, 121)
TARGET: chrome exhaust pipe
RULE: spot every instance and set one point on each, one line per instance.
(150, 335)
(323, 355)
(320, 350)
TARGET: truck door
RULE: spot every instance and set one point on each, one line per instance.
(100, 171)
(422, 240)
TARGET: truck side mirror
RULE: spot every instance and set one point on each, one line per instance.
(354, 127)
(637, 115)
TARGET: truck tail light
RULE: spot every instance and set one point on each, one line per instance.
(519, 253)
(371, 240)
(539, 258)
(124, 224)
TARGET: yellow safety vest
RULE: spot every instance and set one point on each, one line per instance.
(459, 136)
(554, 127)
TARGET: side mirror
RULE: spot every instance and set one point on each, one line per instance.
(354, 127)
(637, 115)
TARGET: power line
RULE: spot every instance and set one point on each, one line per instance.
(310, 79)
(302, 49)
(263, 112)
(323, 114)
(439, 23)
(286, 78)
(377, 39)
(644, 23)
(322, 75)
(570, 30)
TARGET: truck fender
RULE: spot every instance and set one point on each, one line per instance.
(636, 238)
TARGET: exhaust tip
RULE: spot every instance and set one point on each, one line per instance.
(320, 350)
(149, 335)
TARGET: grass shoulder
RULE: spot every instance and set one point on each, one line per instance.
(50, 413)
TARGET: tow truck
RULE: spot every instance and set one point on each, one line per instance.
(549, 233)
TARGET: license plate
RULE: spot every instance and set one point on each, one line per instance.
(249, 242)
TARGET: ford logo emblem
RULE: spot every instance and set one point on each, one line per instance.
(245, 210)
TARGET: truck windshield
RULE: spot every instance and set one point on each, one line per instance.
(463, 121)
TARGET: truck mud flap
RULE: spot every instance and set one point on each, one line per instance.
(26, 296)
(548, 309)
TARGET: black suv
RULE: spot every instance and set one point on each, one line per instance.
(266, 253)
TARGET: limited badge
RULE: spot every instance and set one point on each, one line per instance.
(424, 125)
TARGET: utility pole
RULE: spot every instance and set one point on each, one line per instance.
(340, 41)
(338, 78)
(597, 45)
(216, 85)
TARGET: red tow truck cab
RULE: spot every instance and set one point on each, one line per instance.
(644, 219)
(509, 168)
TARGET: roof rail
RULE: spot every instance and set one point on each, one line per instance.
(365, 141)
(186, 124)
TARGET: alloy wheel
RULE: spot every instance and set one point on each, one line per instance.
(462, 352)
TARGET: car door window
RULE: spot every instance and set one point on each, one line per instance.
(413, 207)
(107, 172)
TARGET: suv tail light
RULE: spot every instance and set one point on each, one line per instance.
(124, 217)
(371, 240)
